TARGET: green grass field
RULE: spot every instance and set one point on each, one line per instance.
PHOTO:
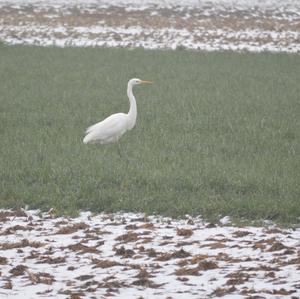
(217, 134)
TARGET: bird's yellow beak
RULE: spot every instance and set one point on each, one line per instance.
(145, 82)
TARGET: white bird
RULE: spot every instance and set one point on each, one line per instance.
(113, 127)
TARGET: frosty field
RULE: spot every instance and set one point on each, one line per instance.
(255, 26)
(200, 199)
(135, 256)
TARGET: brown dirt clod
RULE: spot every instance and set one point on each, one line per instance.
(83, 248)
(277, 246)
(72, 228)
(128, 237)
(184, 232)
(187, 271)
(241, 233)
(126, 253)
(207, 265)
(3, 260)
(104, 263)
(84, 277)
(18, 270)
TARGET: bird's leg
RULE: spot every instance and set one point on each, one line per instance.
(124, 157)
(119, 150)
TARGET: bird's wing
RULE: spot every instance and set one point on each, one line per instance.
(108, 127)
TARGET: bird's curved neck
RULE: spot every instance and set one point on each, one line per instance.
(133, 109)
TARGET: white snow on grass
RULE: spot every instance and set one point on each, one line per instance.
(165, 38)
(211, 25)
(127, 255)
(145, 4)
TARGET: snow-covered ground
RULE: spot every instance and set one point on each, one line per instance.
(132, 256)
(249, 25)
(144, 4)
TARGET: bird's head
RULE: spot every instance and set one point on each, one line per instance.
(136, 81)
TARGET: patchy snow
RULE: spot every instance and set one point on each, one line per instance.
(128, 255)
(137, 36)
(238, 25)
(145, 4)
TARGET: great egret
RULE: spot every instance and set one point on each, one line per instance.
(113, 127)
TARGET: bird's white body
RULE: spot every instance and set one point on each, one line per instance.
(107, 131)
(113, 127)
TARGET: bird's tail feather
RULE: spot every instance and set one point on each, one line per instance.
(87, 139)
